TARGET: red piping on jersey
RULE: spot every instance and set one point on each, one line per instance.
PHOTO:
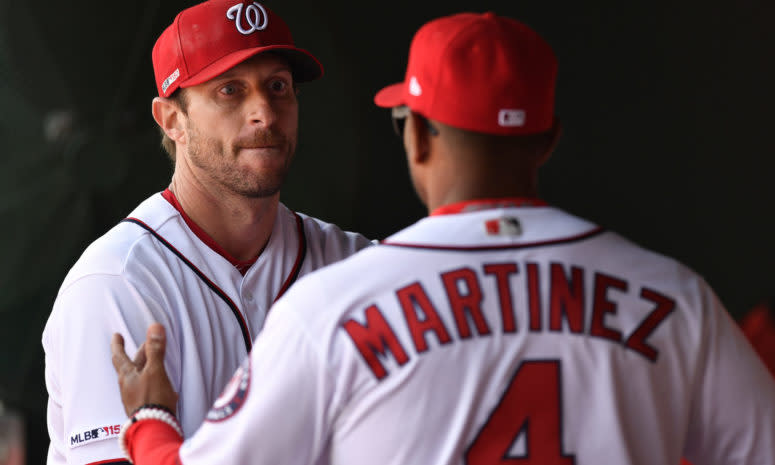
(241, 265)
(110, 461)
(550, 242)
(218, 291)
(484, 204)
(299, 258)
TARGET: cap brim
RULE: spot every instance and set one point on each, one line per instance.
(390, 96)
(304, 66)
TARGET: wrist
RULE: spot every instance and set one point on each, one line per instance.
(153, 406)
(145, 413)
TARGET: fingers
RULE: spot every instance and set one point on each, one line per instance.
(153, 349)
(155, 344)
(119, 357)
(140, 357)
(144, 379)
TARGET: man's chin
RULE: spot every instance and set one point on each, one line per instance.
(260, 176)
(258, 190)
(260, 164)
(260, 193)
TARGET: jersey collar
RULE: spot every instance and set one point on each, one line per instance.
(486, 204)
(241, 265)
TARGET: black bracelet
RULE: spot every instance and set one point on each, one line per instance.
(156, 406)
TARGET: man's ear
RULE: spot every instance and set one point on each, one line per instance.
(169, 117)
(555, 133)
(418, 138)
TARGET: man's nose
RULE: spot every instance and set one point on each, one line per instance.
(260, 110)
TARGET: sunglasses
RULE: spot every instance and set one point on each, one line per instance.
(398, 116)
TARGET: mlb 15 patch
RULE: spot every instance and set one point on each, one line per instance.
(90, 435)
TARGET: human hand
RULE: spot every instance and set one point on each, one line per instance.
(143, 380)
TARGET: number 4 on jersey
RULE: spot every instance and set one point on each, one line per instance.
(530, 410)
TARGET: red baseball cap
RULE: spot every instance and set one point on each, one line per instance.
(211, 37)
(479, 72)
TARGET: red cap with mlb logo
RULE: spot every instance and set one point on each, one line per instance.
(479, 72)
(210, 38)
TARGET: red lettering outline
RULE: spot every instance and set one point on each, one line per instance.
(375, 337)
(637, 340)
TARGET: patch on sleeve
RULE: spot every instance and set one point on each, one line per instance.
(91, 435)
(233, 396)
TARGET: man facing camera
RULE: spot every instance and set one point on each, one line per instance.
(209, 254)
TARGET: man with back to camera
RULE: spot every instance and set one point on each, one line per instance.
(207, 256)
(498, 330)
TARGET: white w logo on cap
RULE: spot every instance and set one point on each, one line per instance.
(255, 16)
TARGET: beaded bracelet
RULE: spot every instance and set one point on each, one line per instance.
(155, 406)
(147, 412)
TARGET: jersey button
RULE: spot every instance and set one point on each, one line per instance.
(249, 297)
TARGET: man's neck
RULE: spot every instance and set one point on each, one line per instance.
(471, 184)
(238, 224)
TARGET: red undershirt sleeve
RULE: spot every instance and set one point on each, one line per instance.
(153, 442)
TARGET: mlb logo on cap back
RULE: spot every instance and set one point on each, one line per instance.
(479, 72)
(207, 39)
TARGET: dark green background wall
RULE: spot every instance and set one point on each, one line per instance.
(667, 110)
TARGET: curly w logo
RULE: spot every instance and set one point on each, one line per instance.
(255, 18)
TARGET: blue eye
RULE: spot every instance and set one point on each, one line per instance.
(228, 89)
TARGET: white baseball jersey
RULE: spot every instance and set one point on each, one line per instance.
(159, 266)
(508, 335)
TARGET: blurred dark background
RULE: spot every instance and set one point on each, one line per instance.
(667, 109)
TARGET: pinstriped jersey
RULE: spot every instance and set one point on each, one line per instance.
(154, 267)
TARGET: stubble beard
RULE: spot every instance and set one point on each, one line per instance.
(211, 156)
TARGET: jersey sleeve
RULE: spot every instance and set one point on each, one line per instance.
(733, 413)
(278, 406)
(331, 242)
(85, 412)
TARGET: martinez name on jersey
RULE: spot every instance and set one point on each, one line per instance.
(569, 310)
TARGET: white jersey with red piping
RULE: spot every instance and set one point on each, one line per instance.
(152, 267)
(505, 335)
